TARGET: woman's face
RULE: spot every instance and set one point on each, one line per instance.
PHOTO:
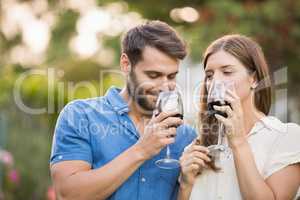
(222, 66)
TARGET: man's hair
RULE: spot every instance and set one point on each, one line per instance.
(154, 34)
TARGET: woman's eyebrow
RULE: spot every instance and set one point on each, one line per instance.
(226, 66)
(222, 67)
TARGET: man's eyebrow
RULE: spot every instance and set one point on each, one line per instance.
(152, 71)
(159, 73)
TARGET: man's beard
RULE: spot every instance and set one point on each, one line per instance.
(138, 95)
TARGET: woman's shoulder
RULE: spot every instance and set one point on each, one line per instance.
(280, 127)
(286, 146)
(288, 135)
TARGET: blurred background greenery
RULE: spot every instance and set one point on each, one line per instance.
(69, 49)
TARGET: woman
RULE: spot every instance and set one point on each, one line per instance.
(264, 160)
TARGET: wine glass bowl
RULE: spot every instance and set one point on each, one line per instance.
(169, 102)
(216, 96)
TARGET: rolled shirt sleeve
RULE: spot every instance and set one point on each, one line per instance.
(286, 150)
(71, 141)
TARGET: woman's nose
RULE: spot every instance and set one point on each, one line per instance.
(218, 76)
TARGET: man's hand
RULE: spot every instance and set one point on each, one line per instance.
(158, 133)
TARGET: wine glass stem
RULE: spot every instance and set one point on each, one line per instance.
(168, 152)
(220, 133)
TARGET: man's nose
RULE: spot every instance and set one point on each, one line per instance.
(167, 85)
(164, 86)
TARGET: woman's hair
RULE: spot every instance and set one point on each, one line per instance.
(250, 54)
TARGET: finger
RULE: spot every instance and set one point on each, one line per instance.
(197, 141)
(198, 155)
(186, 149)
(171, 122)
(170, 132)
(198, 158)
(190, 168)
(221, 119)
(201, 156)
(194, 146)
(162, 116)
(225, 109)
(232, 93)
(199, 148)
(235, 105)
(193, 161)
(166, 141)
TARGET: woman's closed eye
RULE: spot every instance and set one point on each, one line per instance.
(227, 72)
(209, 75)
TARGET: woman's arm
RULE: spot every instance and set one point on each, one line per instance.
(184, 192)
(252, 184)
(285, 182)
(192, 162)
(282, 185)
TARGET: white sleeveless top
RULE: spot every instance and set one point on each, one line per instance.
(274, 144)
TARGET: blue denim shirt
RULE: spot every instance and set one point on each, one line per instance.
(97, 130)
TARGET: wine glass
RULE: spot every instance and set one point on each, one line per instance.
(169, 102)
(216, 96)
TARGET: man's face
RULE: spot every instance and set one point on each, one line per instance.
(156, 72)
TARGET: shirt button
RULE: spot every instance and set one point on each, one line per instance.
(143, 179)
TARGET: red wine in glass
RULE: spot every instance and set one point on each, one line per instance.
(212, 111)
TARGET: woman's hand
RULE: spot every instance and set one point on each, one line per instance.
(234, 123)
(193, 161)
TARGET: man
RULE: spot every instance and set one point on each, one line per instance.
(106, 147)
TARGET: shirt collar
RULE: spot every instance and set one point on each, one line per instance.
(273, 123)
(117, 102)
(269, 122)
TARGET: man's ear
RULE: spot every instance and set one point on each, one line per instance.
(125, 63)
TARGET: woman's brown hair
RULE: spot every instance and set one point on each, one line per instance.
(250, 54)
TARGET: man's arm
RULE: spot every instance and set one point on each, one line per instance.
(75, 180)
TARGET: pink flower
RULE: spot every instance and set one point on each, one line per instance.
(6, 158)
(14, 176)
